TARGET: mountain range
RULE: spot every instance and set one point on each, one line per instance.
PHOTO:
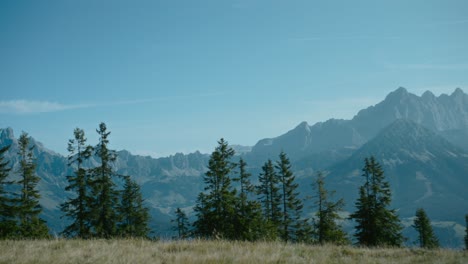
(421, 142)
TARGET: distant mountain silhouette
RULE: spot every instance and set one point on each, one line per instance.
(445, 115)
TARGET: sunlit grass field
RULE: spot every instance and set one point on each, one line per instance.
(196, 251)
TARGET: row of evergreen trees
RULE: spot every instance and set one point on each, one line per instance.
(269, 211)
(96, 208)
(272, 210)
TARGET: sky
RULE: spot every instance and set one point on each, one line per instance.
(175, 76)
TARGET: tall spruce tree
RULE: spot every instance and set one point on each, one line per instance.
(245, 186)
(133, 215)
(202, 227)
(30, 224)
(249, 224)
(8, 226)
(215, 208)
(181, 224)
(78, 207)
(376, 224)
(103, 189)
(292, 206)
(426, 236)
(327, 230)
(270, 198)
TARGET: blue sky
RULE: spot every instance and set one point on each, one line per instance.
(175, 76)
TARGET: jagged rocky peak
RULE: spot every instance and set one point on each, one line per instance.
(428, 95)
(6, 133)
(458, 93)
(303, 125)
(6, 136)
(401, 138)
(399, 96)
(400, 92)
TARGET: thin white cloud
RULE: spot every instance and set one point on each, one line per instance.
(28, 107)
(35, 106)
(32, 107)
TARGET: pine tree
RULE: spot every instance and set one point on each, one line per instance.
(105, 197)
(249, 224)
(245, 186)
(78, 207)
(215, 208)
(292, 206)
(426, 236)
(270, 198)
(203, 225)
(376, 224)
(133, 215)
(181, 224)
(30, 225)
(8, 225)
(328, 231)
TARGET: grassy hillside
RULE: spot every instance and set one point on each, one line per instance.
(142, 251)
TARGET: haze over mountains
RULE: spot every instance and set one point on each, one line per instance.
(421, 141)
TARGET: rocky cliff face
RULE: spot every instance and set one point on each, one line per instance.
(424, 169)
(446, 115)
(441, 114)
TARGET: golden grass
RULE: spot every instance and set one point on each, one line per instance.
(143, 251)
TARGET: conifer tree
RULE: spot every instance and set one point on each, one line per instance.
(133, 215)
(426, 236)
(181, 224)
(215, 208)
(245, 186)
(249, 224)
(292, 206)
(105, 197)
(30, 224)
(376, 224)
(327, 230)
(78, 207)
(8, 225)
(203, 226)
(270, 198)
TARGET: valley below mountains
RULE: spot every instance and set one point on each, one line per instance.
(421, 142)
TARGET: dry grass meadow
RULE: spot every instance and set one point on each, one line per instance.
(144, 251)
